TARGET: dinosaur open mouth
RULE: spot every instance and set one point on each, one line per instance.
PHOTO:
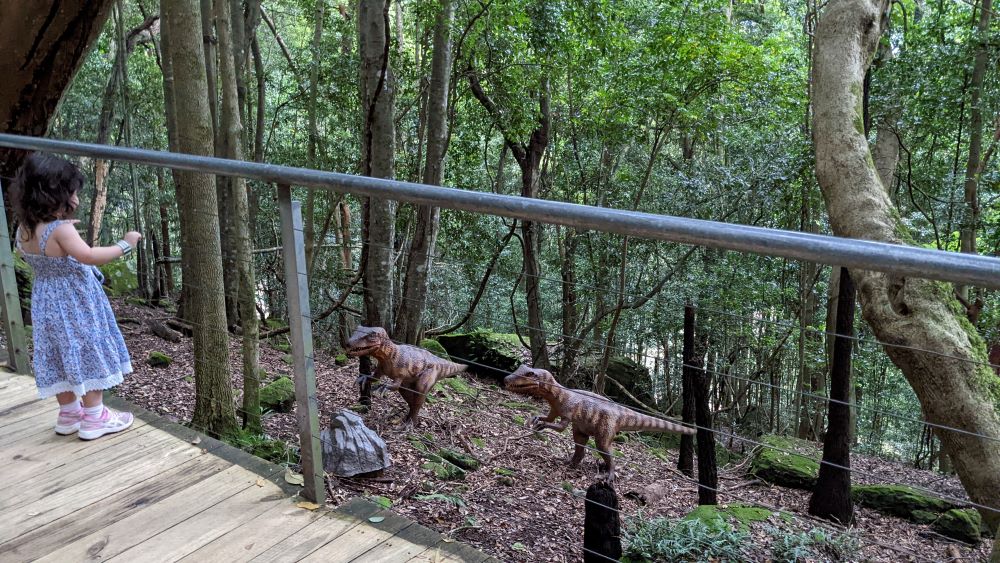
(518, 385)
(359, 350)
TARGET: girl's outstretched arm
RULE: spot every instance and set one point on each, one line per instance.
(70, 243)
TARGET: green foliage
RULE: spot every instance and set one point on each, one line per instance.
(384, 502)
(814, 545)
(275, 451)
(119, 279)
(659, 539)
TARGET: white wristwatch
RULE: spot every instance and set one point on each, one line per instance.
(125, 246)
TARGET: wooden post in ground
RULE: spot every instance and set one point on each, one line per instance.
(601, 525)
(300, 331)
(13, 324)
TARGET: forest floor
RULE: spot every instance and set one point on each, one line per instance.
(524, 503)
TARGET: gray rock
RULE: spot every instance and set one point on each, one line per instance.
(351, 448)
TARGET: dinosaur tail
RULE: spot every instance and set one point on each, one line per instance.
(633, 421)
(454, 369)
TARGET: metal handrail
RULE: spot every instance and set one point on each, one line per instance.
(972, 269)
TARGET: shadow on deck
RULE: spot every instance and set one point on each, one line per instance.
(162, 492)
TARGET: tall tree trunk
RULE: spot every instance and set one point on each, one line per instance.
(197, 205)
(831, 497)
(970, 216)
(951, 379)
(418, 268)
(229, 122)
(529, 157)
(708, 473)
(168, 269)
(100, 200)
(309, 233)
(685, 460)
(230, 279)
(378, 160)
(43, 44)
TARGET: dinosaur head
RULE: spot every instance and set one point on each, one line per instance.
(365, 340)
(530, 381)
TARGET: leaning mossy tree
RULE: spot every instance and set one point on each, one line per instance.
(930, 340)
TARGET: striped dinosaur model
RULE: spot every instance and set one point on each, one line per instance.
(413, 371)
(590, 414)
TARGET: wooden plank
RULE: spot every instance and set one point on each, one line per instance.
(118, 477)
(154, 518)
(408, 543)
(21, 403)
(93, 518)
(318, 534)
(452, 551)
(13, 324)
(40, 421)
(87, 464)
(300, 333)
(31, 463)
(359, 539)
(200, 529)
(256, 536)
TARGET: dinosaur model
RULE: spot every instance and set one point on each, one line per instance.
(590, 414)
(413, 371)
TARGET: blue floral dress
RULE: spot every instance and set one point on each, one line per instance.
(77, 344)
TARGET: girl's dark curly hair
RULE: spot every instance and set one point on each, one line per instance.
(42, 190)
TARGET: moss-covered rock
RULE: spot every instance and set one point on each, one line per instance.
(489, 354)
(435, 347)
(962, 524)
(630, 374)
(718, 517)
(341, 359)
(775, 462)
(924, 516)
(279, 395)
(466, 462)
(899, 500)
(119, 279)
(158, 359)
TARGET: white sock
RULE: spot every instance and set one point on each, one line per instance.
(94, 412)
(70, 408)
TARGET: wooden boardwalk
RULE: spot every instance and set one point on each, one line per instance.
(160, 492)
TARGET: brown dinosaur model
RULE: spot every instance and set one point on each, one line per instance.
(413, 371)
(590, 413)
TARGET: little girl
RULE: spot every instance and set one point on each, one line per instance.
(78, 349)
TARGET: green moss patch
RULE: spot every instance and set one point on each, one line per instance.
(962, 524)
(788, 462)
(158, 359)
(720, 517)
(341, 359)
(899, 500)
(460, 386)
(279, 395)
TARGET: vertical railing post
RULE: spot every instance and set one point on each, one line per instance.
(300, 328)
(13, 324)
